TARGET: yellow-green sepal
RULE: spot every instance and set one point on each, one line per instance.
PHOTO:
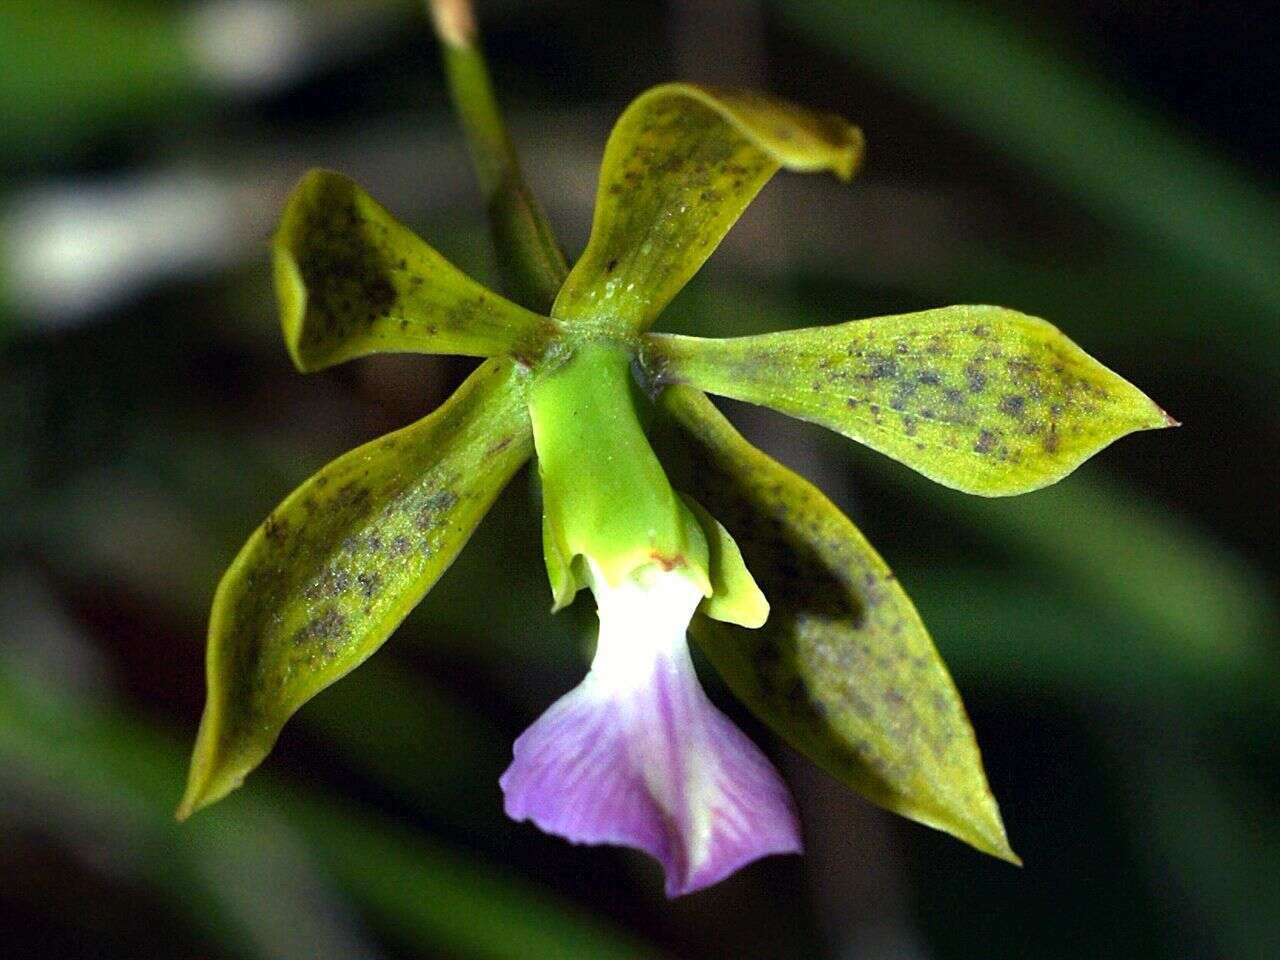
(735, 595)
(605, 496)
(982, 399)
(351, 281)
(844, 669)
(335, 568)
(681, 165)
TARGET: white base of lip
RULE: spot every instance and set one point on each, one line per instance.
(642, 619)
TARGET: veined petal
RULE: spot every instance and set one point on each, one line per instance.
(638, 756)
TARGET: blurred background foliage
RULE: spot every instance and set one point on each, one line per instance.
(1109, 166)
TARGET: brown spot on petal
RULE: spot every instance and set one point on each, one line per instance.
(1014, 405)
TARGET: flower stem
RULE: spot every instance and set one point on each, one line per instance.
(529, 259)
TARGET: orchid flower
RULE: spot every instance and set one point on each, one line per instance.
(835, 661)
(637, 754)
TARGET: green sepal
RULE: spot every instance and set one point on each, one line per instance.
(735, 595)
(605, 495)
(681, 165)
(335, 568)
(843, 670)
(352, 281)
(982, 399)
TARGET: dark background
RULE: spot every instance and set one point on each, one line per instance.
(1109, 166)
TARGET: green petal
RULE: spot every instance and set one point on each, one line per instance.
(336, 567)
(844, 670)
(681, 165)
(735, 596)
(352, 281)
(982, 399)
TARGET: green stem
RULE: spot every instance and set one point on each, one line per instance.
(529, 259)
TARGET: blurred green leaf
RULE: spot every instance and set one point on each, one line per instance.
(1117, 296)
(843, 670)
(74, 67)
(1212, 838)
(1140, 560)
(336, 567)
(246, 880)
(121, 770)
(352, 281)
(418, 738)
(681, 165)
(982, 399)
(1028, 101)
(1038, 638)
(431, 898)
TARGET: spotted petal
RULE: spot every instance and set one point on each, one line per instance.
(681, 165)
(351, 281)
(638, 756)
(336, 567)
(983, 399)
(843, 669)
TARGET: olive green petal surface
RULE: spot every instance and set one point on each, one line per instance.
(352, 281)
(681, 165)
(982, 399)
(843, 670)
(335, 568)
